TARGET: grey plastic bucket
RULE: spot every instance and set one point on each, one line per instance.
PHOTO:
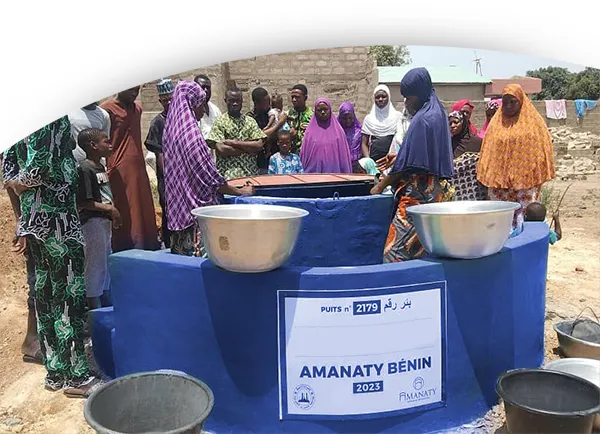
(545, 401)
(160, 402)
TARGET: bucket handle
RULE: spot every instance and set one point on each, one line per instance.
(336, 196)
(579, 317)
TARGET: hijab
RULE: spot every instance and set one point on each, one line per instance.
(353, 134)
(458, 105)
(517, 152)
(191, 178)
(427, 146)
(493, 104)
(381, 122)
(464, 141)
(325, 147)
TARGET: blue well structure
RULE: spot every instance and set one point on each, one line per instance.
(182, 313)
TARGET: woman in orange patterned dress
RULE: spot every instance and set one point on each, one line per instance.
(516, 156)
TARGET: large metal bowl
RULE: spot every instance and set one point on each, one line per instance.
(249, 238)
(574, 347)
(463, 229)
(588, 369)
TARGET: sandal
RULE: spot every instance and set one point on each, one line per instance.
(83, 391)
(35, 359)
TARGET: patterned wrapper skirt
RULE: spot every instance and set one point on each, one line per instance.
(402, 243)
(524, 197)
(465, 178)
(188, 242)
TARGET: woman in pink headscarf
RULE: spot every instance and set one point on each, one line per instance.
(490, 110)
(325, 147)
(466, 107)
(352, 127)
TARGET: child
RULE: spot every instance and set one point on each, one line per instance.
(275, 112)
(536, 212)
(96, 211)
(284, 162)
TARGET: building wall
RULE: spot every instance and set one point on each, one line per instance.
(446, 92)
(339, 74)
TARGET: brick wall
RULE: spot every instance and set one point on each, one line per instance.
(339, 74)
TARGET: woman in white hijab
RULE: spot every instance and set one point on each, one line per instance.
(380, 125)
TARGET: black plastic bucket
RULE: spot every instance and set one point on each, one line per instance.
(545, 401)
(162, 402)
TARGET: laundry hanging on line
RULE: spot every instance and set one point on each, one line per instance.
(556, 109)
(583, 105)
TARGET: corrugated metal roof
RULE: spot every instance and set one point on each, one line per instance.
(439, 75)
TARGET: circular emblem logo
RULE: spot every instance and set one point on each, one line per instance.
(418, 383)
(304, 397)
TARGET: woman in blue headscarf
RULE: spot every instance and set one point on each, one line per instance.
(423, 167)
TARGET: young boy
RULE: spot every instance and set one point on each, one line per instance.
(96, 212)
(284, 162)
(536, 212)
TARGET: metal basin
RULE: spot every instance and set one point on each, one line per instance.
(465, 229)
(572, 346)
(249, 238)
(587, 369)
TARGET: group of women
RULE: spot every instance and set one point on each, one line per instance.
(443, 157)
(424, 154)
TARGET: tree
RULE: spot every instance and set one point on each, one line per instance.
(585, 85)
(555, 82)
(390, 55)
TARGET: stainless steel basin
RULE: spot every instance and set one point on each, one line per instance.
(572, 346)
(249, 238)
(588, 369)
(463, 229)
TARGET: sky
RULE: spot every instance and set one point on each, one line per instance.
(494, 64)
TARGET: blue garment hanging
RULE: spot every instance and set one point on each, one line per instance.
(581, 105)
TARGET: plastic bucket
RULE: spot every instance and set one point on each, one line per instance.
(588, 369)
(162, 402)
(545, 401)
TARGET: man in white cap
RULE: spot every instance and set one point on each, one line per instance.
(90, 116)
(153, 143)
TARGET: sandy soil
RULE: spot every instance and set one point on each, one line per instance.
(26, 407)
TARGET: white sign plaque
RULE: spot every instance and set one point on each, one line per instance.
(361, 353)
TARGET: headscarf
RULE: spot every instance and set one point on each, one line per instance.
(324, 147)
(458, 105)
(493, 104)
(191, 178)
(517, 151)
(464, 141)
(381, 122)
(353, 134)
(427, 146)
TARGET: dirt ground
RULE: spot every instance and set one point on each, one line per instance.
(26, 407)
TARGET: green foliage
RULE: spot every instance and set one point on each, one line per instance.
(586, 85)
(549, 197)
(560, 83)
(555, 82)
(390, 55)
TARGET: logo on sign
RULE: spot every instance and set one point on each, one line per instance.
(304, 397)
(419, 394)
(418, 383)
